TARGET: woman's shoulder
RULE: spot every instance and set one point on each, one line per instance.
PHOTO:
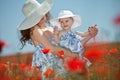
(50, 28)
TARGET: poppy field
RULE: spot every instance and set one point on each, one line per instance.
(105, 59)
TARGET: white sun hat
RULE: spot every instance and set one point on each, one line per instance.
(34, 11)
(66, 14)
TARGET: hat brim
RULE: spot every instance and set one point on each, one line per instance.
(36, 16)
(77, 21)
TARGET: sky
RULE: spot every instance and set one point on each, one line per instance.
(100, 12)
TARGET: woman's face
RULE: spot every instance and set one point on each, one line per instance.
(66, 23)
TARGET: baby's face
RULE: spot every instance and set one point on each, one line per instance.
(66, 23)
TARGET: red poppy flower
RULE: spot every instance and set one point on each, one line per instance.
(94, 55)
(3, 68)
(60, 54)
(117, 19)
(46, 50)
(2, 44)
(76, 65)
(22, 66)
(36, 67)
(49, 73)
(113, 50)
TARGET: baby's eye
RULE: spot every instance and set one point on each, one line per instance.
(67, 21)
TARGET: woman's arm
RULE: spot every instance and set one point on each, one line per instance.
(42, 39)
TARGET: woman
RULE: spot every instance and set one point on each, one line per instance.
(34, 29)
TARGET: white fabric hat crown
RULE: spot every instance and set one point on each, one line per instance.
(33, 12)
(66, 14)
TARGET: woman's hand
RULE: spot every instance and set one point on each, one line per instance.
(56, 31)
(93, 31)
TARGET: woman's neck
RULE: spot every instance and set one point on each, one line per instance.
(42, 26)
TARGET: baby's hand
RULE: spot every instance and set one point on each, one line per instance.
(56, 31)
(93, 31)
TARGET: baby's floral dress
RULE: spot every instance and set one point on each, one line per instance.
(72, 41)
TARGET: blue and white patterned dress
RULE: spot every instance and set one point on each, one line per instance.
(72, 41)
(46, 61)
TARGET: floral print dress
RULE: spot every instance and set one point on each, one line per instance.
(47, 61)
(71, 41)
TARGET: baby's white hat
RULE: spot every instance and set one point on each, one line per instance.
(66, 14)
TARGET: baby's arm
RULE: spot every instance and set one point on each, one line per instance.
(88, 32)
(56, 34)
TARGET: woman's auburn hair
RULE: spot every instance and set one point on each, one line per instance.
(25, 34)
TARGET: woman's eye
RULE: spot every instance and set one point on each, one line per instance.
(61, 22)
